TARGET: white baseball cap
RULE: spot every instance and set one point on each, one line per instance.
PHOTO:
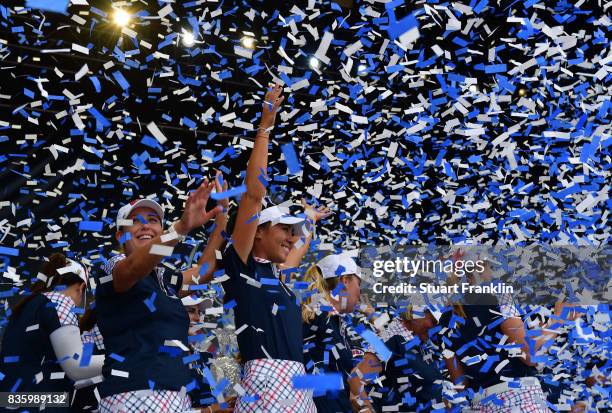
(75, 267)
(418, 311)
(125, 210)
(336, 265)
(279, 215)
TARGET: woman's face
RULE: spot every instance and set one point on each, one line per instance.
(421, 326)
(194, 313)
(146, 226)
(349, 297)
(76, 292)
(274, 242)
(424, 323)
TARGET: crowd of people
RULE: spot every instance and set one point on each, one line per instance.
(305, 342)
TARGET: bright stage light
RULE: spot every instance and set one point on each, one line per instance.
(248, 42)
(362, 69)
(121, 17)
(188, 39)
(314, 62)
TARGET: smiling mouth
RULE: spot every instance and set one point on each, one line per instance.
(286, 247)
(145, 237)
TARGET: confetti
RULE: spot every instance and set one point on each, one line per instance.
(319, 382)
(91, 226)
(423, 123)
(57, 6)
(291, 159)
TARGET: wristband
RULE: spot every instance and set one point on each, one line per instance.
(180, 237)
(266, 131)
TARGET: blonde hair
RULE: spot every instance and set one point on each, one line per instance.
(318, 285)
(407, 315)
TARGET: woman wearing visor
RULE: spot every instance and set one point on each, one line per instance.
(328, 345)
(42, 349)
(267, 312)
(139, 312)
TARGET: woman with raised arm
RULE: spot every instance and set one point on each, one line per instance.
(139, 312)
(488, 349)
(267, 312)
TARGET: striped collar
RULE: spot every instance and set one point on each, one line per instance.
(261, 260)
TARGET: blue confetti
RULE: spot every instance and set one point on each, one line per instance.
(291, 159)
(57, 6)
(121, 80)
(86, 355)
(95, 226)
(9, 251)
(232, 192)
(319, 382)
(397, 28)
(149, 302)
(383, 353)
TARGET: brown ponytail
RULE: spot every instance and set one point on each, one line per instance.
(54, 279)
(88, 320)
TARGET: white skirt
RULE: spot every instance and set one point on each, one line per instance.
(268, 386)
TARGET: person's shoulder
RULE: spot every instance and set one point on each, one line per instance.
(64, 306)
(321, 318)
(107, 267)
(230, 255)
(59, 298)
(395, 343)
(229, 249)
(318, 321)
(396, 328)
(445, 318)
(104, 278)
(35, 303)
(231, 259)
(39, 299)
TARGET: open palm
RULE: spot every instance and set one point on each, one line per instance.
(195, 214)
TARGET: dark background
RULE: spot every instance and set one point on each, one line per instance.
(440, 187)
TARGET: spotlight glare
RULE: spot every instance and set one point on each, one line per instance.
(361, 69)
(248, 42)
(314, 62)
(121, 17)
(188, 39)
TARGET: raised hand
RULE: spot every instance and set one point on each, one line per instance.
(365, 306)
(572, 314)
(272, 102)
(316, 214)
(195, 214)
